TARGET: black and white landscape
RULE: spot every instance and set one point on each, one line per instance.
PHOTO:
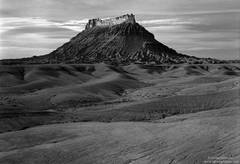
(114, 93)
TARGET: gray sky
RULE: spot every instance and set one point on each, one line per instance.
(206, 28)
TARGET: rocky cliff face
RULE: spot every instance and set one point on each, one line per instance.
(110, 21)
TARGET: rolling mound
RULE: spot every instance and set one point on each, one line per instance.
(32, 95)
(40, 81)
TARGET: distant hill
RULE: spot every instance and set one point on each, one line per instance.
(119, 40)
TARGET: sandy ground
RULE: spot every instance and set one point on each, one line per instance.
(130, 114)
(189, 138)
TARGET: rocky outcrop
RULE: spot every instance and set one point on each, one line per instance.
(129, 18)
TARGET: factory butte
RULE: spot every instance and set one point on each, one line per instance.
(120, 40)
(128, 18)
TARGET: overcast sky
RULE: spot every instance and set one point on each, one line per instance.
(206, 28)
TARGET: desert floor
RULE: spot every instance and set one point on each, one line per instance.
(127, 114)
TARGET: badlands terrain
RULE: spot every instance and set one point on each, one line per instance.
(134, 114)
